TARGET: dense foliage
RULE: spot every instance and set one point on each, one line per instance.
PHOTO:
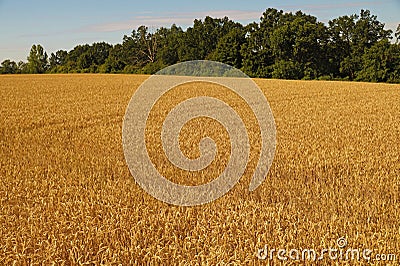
(280, 45)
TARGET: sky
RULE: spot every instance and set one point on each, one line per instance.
(64, 24)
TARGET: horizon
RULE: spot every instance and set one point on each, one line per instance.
(109, 23)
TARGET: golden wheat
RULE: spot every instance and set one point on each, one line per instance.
(67, 196)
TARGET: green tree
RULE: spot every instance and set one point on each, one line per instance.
(301, 40)
(8, 67)
(84, 58)
(37, 60)
(368, 31)
(228, 49)
(99, 52)
(284, 69)
(380, 63)
(201, 40)
(139, 48)
(351, 37)
(84, 61)
(256, 52)
(115, 61)
(57, 60)
(170, 44)
(22, 67)
(340, 45)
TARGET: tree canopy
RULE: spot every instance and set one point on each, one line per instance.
(280, 45)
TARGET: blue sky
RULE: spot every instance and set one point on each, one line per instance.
(63, 24)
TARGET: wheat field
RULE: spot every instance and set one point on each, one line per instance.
(67, 196)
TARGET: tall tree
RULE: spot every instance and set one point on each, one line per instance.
(37, 60)
(257, 52)
(140, 47)
(301, 40)
(351, 36)
(341, 36)
(169, 44)
(253, 53)
(368, 31)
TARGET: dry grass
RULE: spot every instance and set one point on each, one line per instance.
(67, 196)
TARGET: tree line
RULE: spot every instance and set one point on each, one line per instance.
(281, 45)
